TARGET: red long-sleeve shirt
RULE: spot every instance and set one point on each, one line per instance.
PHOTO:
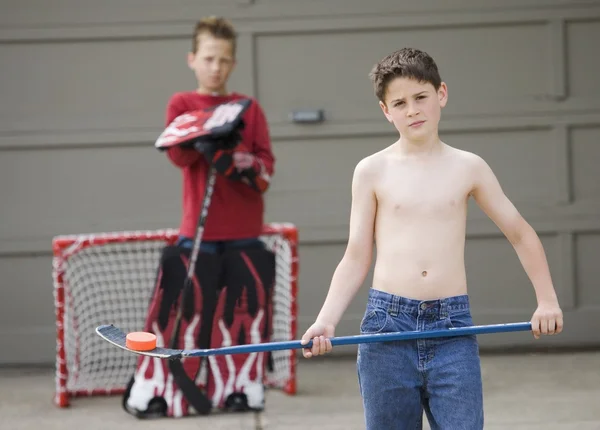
(236, 209)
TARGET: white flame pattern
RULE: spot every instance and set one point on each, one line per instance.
(145, 389)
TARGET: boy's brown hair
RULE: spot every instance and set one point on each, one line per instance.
(217, 27)
(406, 63)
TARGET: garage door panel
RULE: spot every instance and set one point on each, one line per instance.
(27, 319)
(313, 179)
(318, 164)
(317, 264)
(310, 210)
(92, 85)
(27, 275)
(338, 82)
(85, 190)
(523, 161)
(583, 69)
(496, 279)
(588, 269)
(585, 153)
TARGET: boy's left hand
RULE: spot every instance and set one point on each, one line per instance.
(547, 319)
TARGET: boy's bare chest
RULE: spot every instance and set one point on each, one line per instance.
(424, 192)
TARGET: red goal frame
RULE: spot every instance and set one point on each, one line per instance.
(64, 246)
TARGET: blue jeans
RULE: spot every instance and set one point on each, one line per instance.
(220, 246)
(441, 376)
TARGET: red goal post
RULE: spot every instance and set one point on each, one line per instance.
(105, 278)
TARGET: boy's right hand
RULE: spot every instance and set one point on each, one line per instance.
(320, 335)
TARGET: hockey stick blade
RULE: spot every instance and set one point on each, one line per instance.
(116, 336)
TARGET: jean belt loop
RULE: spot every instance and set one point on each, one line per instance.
(444, 309)
(395, 306)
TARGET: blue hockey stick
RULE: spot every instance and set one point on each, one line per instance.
(117, 337)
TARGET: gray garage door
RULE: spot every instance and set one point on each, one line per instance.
(84, 87)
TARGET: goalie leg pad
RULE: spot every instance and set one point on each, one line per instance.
(243, 315)
(152, 384)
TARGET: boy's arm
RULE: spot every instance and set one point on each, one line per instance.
(354, 266)
(181, 157)
(259, 166)
(488, 194)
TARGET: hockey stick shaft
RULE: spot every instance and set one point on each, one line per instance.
(210, 185)
(187, 385)
(365, 338)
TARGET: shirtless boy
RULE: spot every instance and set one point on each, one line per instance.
(411, 200)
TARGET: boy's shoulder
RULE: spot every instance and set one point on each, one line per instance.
(464, 156)
(473, 166)
(238, 95)
(372, 162)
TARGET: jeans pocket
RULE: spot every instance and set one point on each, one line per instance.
(460, 318)
(374, 321)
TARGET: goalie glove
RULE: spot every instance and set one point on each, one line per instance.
(217, 127)
(222, 160)
(256, 176)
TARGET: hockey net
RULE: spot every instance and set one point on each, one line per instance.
(108, 278)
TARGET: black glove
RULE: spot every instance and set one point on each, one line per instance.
(209, 144)
(219, 152)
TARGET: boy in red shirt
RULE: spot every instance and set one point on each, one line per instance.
(234, 223)
(236, 210)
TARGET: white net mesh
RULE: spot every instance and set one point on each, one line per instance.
(109, 280)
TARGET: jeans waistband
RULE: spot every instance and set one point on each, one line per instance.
(395, 304)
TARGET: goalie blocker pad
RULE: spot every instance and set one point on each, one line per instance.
(219, 125)
(231, 305)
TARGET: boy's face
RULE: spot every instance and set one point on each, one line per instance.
(414, 107)
(212, 63)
